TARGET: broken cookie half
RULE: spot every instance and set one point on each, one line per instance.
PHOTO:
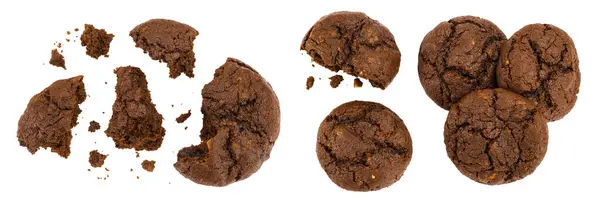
(240, 126)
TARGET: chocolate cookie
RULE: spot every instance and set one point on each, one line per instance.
(495, 136)
(356, 44)
(458, 57)
(50, 115)
(363, 146)
(540, 62)
(168, 41)
(96, 41)
(240, 126)
(135, 123)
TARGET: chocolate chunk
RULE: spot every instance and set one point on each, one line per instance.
(335, 80)
(540, 62)
(310, 81)
(363, 146)
(97, 159)
(458, 57)
(57, 59)
(96, 41)
(50, 115)
(148, 165)
(168, 41)
(135, 123)
(356, 44)
(495, 136)
(183, 117)
(240, 126)
(93, 126)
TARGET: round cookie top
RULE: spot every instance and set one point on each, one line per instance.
(458, 57)
(495, 136)
(363, 146)
(540, 62)
(240, 126)
(356, 44)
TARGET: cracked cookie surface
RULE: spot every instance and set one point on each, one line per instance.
(50, 116)
(168, 41)
(240, 126)
(356, 44)
(540, 62)
(458, 57)
(135, 123)
(495, 136)
(363, 146)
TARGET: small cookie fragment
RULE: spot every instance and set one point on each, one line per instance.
(356, 44)
(363, 146)
(357, 83)
(459, 56)
(168, 41)
(96, 41)
(495, 136)
(57, 59)
(540, 62)
(148, 165)
(310, 81)
(50, 116)
(335, 80)
(135, 123)
(97, 159)
(93, 126)
(240, 126)
(183, 117)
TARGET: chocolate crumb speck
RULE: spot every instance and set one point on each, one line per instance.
(93, 126)
(97, 159)
(336, 80)
(68, 32)
(76, 29)
(148, 165)
(184, 117)
(57, 59)
(310, 81)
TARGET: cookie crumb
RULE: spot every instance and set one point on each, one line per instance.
(68, 32)
(357, 83)
(310, 81)
(57, 59)
(185, 128)
(137, 155)
(96, 41)
(97, 159)
(148, 165)
(183, 117)
(76, 29)
(93, 126)
(336, 80)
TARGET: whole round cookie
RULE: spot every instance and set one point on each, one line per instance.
(540, 62)
(495, 136)
(356, 44)
(240, 126)
(458, 57)
(363, 146)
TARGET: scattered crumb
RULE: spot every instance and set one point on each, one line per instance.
(137, 154)
(148, 165)
(59, 45)
(138, 177)
(357, 83)
(93, 126)
(185, 128)
(310, 81)
(76, 29)
(96, 41)
(68, 32)
(313, 65)
(172, 106)
(184, 116)
(97, 159)
(89, 169)
(106, 169)
(57, 59)
(68, 40)
(336, 80)
(131, 170)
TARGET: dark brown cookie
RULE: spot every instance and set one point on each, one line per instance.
(93, 126)
(50, 115)
(96, 41)
(363, 146)
(458, 57)
(135, 123)
(540, 62)
(148, 165)
(310, 81)
(97, 159)
(495, 136)
(240, 126)
(183, 117)
(168, 41)
(335, 80)
(57, 59)
(356, 44)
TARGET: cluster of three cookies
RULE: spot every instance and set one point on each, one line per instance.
(497, 136)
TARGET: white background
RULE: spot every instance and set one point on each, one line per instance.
(267, 36)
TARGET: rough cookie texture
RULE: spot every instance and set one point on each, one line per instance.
(148, 165)
(310, 81)
(50, 115)
(458, 57)
(356, 44)
(540, 62)
(168, 41)
(97, 159)
(363, 146)
(495, 136)
(335, 80)
(96, 41)
(240, 126)
(93, 126)
(57, 59)
(135, 123)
